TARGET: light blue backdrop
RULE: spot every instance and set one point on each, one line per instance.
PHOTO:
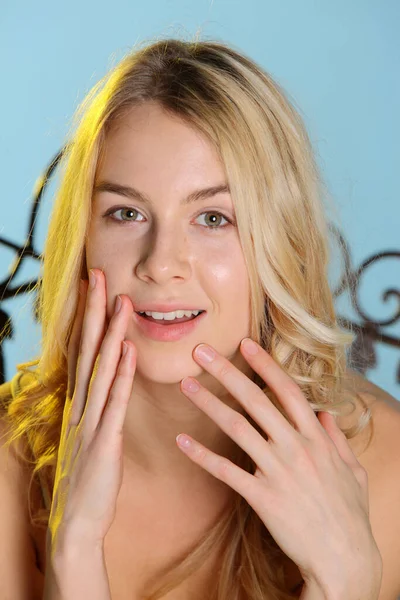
(338, 61)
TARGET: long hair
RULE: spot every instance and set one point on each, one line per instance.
(280, 203)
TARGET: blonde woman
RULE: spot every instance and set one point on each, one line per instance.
(189, 184)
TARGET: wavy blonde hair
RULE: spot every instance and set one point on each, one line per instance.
(278, 196)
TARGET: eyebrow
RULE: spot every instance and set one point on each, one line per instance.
(134, 194)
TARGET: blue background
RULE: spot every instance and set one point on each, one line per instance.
(338, 62)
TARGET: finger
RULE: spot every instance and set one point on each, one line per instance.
(91, 337)
(72, 360)
(254, 401)
(113, 417)
(74, 340)
(105, 369)
(219, 466)
(234, 424)
(328, 422)
(289, 394)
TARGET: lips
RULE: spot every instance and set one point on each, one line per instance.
(167, 331)
(169, 322)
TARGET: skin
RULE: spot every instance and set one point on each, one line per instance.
(311, 462)
(162, 252)
(307, 477)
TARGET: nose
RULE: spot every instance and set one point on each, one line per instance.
(165, 255)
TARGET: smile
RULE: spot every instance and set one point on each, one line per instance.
(168, 330)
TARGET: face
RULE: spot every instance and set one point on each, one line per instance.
(165, 250)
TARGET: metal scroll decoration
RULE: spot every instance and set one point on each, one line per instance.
(368, 331)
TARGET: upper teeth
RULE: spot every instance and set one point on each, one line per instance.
(169, 316)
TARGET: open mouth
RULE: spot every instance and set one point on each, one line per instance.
(170, 321)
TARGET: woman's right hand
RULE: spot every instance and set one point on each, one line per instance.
(89, 463)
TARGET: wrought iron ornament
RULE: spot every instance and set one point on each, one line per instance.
(369, 332)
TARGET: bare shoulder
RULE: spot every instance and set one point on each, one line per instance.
(377, 447)
(374, 392)
(381, 459)
(385, 419)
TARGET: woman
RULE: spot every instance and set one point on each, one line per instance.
(256, 506)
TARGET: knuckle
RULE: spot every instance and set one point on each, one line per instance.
(290, 389)
(256, 402)
(112, 397)
(361, 476)
(201, 454)
(124, 375)
(239, 425)
(305, 454)
(225, 370)
(294, 443)
(223, 468)
(361, 472)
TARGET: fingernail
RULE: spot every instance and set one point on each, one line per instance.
(190, 384)
(118, 304)
(183, 441)
(205, 353)
(92, 279)
(249, 346)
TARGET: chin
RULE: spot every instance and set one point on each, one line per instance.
(167, 372)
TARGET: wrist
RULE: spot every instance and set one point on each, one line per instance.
(76, 570)
(352, 579)
(75, 556)
(77, 575)
(65, 544)
(357, 585)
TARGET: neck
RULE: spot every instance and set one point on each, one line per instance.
(157, 413)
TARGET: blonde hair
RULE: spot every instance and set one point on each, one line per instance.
(278, 196)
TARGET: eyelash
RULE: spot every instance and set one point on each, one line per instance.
(110, 212)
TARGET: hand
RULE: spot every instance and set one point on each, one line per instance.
(308, 489)
(89, 462)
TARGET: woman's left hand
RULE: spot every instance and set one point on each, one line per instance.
(308, 489)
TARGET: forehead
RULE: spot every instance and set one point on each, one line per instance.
(148, 143)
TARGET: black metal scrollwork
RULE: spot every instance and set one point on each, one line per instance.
(362, 355)
(369, 332)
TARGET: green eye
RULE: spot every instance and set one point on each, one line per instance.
(128, 210)
(130, 214)
(218, 215)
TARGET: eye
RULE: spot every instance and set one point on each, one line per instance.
(218, 215)
(131, 213)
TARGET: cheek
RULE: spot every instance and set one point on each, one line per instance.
(226, 263)
(227, 276)
(104, 250)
